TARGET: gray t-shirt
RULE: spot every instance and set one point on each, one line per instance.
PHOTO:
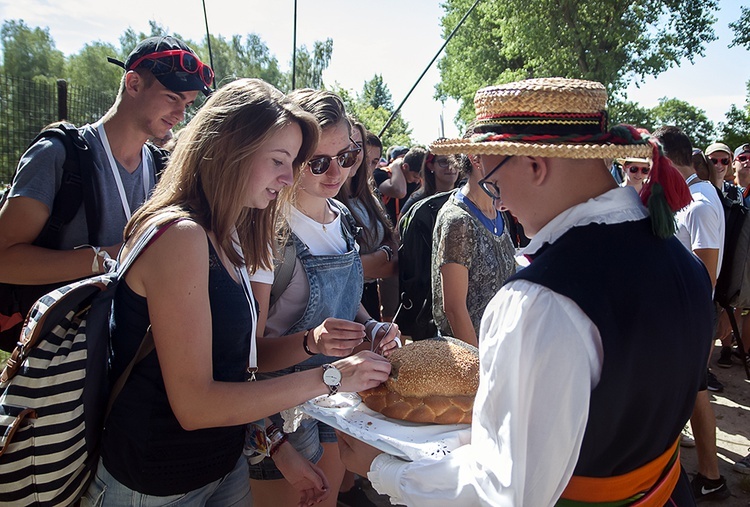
(40, 174)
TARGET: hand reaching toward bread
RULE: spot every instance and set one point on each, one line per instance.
(387, 339)
(363, 370)
(336, 337)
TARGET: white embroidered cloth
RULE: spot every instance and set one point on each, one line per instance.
(406, 440)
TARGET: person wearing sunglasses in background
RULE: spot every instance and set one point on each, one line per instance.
(636, 172)
(321, 298)
(162, 78)
(721, 156)
(742, 171)
(439, 173)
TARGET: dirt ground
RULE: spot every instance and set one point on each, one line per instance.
(732, 408)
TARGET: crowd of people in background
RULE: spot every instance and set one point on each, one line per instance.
(288, 242)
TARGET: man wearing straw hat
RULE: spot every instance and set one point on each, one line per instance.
(566, 410)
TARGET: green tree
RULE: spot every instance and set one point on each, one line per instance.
(374, 118)
(376, 93)
(741, 29)
(736, 130)
(129, 39)
(623, 111)
(614, 42)
(29, 52)
(89, 68)
(310, 66)
(690, 119)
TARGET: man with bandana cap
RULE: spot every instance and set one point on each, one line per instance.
(162, 78)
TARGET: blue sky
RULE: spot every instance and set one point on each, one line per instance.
(394, 38)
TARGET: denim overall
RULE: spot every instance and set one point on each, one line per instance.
(336, 283)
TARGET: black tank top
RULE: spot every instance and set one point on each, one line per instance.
(144, 446)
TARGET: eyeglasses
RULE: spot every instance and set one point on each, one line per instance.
(634, 169)
(188, 62)
(442, 162)
(743, 157)
(345, 160)
(490, 187)
(722, 161)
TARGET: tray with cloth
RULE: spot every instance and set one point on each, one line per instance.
(406, 440)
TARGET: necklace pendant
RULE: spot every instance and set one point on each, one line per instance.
(324, 228)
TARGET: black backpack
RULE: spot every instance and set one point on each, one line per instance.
(76, 190)
(414, 266)
(733, 283)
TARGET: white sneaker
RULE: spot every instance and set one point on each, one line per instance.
(685, 439)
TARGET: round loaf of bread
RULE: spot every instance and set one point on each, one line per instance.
(431, 381)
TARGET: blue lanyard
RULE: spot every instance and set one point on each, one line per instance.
(495, 226)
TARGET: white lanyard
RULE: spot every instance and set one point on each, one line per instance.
(252, 360)
(116, 172)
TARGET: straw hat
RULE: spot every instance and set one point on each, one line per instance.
(547, 117)
(566, 118)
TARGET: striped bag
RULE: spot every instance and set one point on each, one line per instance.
(54, 391)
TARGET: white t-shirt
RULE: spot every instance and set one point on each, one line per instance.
(321, 239)
(700, 224)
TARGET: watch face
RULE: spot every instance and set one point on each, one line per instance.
(331, 376)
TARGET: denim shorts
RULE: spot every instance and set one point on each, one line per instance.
(307, 440)
(231, 490)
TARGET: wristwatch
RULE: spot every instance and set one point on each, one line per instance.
(331, 378)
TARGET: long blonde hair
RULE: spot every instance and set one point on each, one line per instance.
(205, 179)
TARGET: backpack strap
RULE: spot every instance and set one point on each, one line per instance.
(161, 157)
(144, 349)
(283, 274)
(147, 344)
(349, 221)
(76, 187)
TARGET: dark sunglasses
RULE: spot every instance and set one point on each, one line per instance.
(743, 158)
(187, 61)
(490, 187)
(634, 169)
(345, 159)
(722, 161)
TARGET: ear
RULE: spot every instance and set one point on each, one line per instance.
(539, 167)
(404, 167)
(476, 163)
(134, 83)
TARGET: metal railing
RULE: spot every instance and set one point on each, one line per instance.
(27, 106)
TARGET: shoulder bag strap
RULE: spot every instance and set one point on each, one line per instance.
(283, 275)
(147, 344)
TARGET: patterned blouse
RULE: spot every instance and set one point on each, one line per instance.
(459, 237)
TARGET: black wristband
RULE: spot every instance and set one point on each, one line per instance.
(388, 252)
(304, 343)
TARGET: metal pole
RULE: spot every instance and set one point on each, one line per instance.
(208, 41)
(294, 49)
(395, 112)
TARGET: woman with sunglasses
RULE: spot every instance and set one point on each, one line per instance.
(635, 171)
(175, 433)
(439, 174)
(378, 247)
(720, 156)
(321, 298)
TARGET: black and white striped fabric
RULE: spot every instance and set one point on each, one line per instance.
(54, 392)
